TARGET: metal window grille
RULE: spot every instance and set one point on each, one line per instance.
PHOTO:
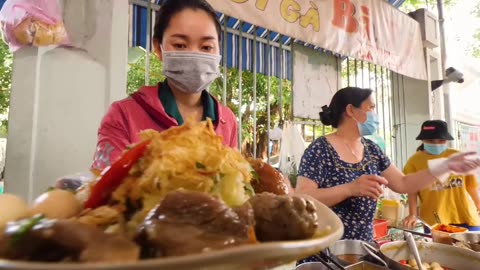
(254, 52)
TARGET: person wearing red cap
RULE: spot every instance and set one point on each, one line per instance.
(455, 201)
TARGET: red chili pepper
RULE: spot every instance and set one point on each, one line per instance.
(114, 176)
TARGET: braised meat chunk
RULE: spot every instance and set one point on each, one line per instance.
(281, 218)
(45, 240)
(268, 179)
(188, 222)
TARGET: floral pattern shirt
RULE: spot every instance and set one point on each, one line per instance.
(321, 163)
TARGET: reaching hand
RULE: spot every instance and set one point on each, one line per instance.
(410, 222)
(463, 163)
(367, 186)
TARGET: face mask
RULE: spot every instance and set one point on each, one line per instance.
(190, 72)
(434, 149)
(370, 126)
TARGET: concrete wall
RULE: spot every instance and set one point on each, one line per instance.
(413, 103)
(60, 95)
(411, 109)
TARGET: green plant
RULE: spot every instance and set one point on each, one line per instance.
(411, 5)
(6, 64)
(136, 79)
(280, 108)
(136, 70)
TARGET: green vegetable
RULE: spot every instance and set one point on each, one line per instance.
(249, 190)
(25, 228)
(255, 176)
(200, 165)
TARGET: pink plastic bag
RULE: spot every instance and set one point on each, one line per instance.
(32, 23)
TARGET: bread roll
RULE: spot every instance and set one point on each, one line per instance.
(48, 34)
(24, 32)
(37, 33)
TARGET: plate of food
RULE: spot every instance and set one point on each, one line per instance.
(178, 199)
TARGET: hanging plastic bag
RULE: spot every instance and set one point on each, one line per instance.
(392, 206)
(32, 23)
(291, 151)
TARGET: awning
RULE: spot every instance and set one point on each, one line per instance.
(139, 38)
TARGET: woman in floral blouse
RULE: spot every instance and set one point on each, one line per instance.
(346, 172)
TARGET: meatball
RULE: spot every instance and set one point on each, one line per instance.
(280, 218)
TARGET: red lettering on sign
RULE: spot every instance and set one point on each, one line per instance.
(366, 21)
(343, 15)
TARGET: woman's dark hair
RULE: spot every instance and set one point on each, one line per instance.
(332, 115)
(171, 7)
(421, 147)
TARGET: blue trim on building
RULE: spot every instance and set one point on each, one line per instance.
(139, 29)
(139, 38)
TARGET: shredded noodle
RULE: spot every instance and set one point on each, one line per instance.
(191, 157)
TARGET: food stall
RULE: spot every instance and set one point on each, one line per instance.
(130, 218)
(446, 247)
(206, 210)
(241, 230)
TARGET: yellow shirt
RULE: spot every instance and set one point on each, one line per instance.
(451, 201)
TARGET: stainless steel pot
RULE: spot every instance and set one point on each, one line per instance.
(357, 266)
(348, 252)
(469, 240)
(447, 256)
(365, 266)
(314, 266)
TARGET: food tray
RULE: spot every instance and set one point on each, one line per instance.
(251, 257)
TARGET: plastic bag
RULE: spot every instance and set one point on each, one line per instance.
(74, 181)
(392, 206)
(32, 23)
(291, 151)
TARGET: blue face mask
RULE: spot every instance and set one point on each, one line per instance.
(370, 126)
(434, 149)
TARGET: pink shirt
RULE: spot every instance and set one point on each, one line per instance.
(143, 110)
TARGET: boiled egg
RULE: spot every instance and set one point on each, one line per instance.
(12, 208)
(56, 204)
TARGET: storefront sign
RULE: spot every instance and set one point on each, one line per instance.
(369, 30)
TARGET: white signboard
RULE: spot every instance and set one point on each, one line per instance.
(315, 81)
(369, 30)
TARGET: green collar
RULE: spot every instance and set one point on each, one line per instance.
(170, 104)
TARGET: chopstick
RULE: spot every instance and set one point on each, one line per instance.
(324, 262)
(333, 261)
(414, 232)
(324, 258)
